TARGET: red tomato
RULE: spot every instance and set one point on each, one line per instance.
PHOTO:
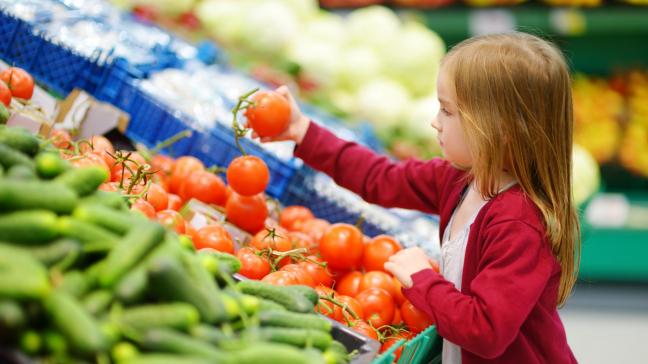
(364, 328)
(157, 197)
(109, 186)
(215, 237)
(349, 284)
(415, 319)
(303, 277)
(351, 304)
(175, 202)
(163, 164)
(191, 231)
(5, 94)
(325, 307)
(248, 175)
(377, 305)
(135, 161)
(269, 114)
(281, 278)
(171, 219)
(377, 279)
(203, 186)
(247, 212)
(96, 143)
(392, 340)
(144, 207)
(182, 168)
(342, 246)
(301, 240)
(320, 274)
(378, 251)
(252, 265)
(279, 242)
(314, 228)
(399, 298)
(292, 215)
(19, 82)
(92, 160)
(60, 138)
(398, 319)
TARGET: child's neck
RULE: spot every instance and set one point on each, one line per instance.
(505, 180)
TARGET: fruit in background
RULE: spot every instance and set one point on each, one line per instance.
(248, 175)
(586, 176)
(269, 113)
(423, 3)
(291, 216)
(634, 148)
(19, 82)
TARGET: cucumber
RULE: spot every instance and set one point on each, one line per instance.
(273, 353)
(29, 227)
(50, 165)
(75, 323)
(20, 139)
(21, 172)
(30, 342)
(209, 334)
(10, 157)
(74, 283)
(86, 233)
(4, 115)
(124, 351)
(174, 342)
(139, 241)
(296, 337)
(218, 262)
(268, 305)
(12, 317)
(305, 291)
(22, 277)
(29, 195)
(164, 270)
(109, 199)
(55, 343)
(295, 320)
(118, 222)
(336, 353)
(52, 253)
(98, 301)
(179, 316)
(152, 358)
(132, 286)
(290, 299)
(83, 180)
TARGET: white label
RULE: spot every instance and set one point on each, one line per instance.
(491, 21)
(608, 210)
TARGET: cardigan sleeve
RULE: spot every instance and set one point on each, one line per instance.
(411, 184)
(513, 272)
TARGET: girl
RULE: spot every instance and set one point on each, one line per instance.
(509, 232)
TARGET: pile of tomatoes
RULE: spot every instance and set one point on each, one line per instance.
(15, 82)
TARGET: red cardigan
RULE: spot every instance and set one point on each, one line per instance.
(506, 311)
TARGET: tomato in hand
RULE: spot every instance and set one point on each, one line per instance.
(19, 82)
(281, 278)
(292, 215)
(269, 113)
(182, 169)
(414, 318)
(252, 265)
(247, 212)
(5, 94)
(378, 251)
(171, 219)
(157, 197)
(214, 237)
(203, 186)
(377, 306)
(144, 207)
(377, 279)
(248, 175)
(349, 284)
(342, 246)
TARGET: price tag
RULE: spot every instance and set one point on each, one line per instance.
(491, 21)
(608, 210)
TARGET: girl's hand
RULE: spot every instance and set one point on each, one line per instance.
(407, 262)
(298, 122)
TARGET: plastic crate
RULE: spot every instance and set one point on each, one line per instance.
(423, 349)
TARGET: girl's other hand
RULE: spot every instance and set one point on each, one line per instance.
(298, 122)
(407, 262)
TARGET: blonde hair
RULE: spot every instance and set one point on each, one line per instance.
(514, 97)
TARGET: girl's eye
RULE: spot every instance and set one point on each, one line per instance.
(445, 111)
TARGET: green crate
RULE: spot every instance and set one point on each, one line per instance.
(425, 348)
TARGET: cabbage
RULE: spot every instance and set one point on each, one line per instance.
(269, 27)
(223, 19)
(326, 27)
(360, 65)
(304, 9)
(586, 176)
(319, 61)
(373, 26)
(422, 112)
(384, 102)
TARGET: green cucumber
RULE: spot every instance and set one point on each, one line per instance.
(21, 172)
(97, 301)
(295, 320)
(83, 180)
(305, 291)
(268, 305)
(55, 343)
(132, 286)
(52, 253)
(119, 222)
(178, 343)
(20, 139)
(29, 195)
(75, 323)
(209, 334)
(290, 299)
(152, 358)
(296, 337)
(50, 165)
(124, 351)
(225, 263)
(86, 233)
(109, 199)
(30, 342)
(139, 241)
(274, 353)
(29, 227)
(179, 316)
(4, 115)
(74, 283)
(10, 157)
(22, 277)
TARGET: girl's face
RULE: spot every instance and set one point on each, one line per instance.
(448, 124)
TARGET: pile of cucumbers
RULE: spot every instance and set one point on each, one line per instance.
(85, 280)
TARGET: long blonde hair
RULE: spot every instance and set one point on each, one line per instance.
(514, 97)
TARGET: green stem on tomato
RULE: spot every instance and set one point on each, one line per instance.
(170, 141)
(239, 132)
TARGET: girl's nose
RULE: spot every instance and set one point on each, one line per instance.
(435, 124)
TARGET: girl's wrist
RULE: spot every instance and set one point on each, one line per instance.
(302, 128)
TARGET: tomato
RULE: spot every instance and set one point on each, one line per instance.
(320, 274)
(60, 138)
(5, 94)
(269, 114)
(279, 242)
(377, 305)
(292, 215)
(135, 160)
(252, 265)
(203, 186)
(281, 278)
(163, 164)
(341, 246)
(314, 228)
(349, 284)
(248, 175)
(377, 279)
(325, 307)
(399, 298)
(415, 319)
(144, 207)
(351, 304)
(171, 219)
(303, 277)
(392, 340)
(109, 186)
(96, 143)
(378, 251)
(157, 197)
(191, 231)
(91, 160)
(364, 328)
(247, 212)
(301, 240)
(175, 202)
(215, 237)
(19, 82)
(181, 169)
(398, 319)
